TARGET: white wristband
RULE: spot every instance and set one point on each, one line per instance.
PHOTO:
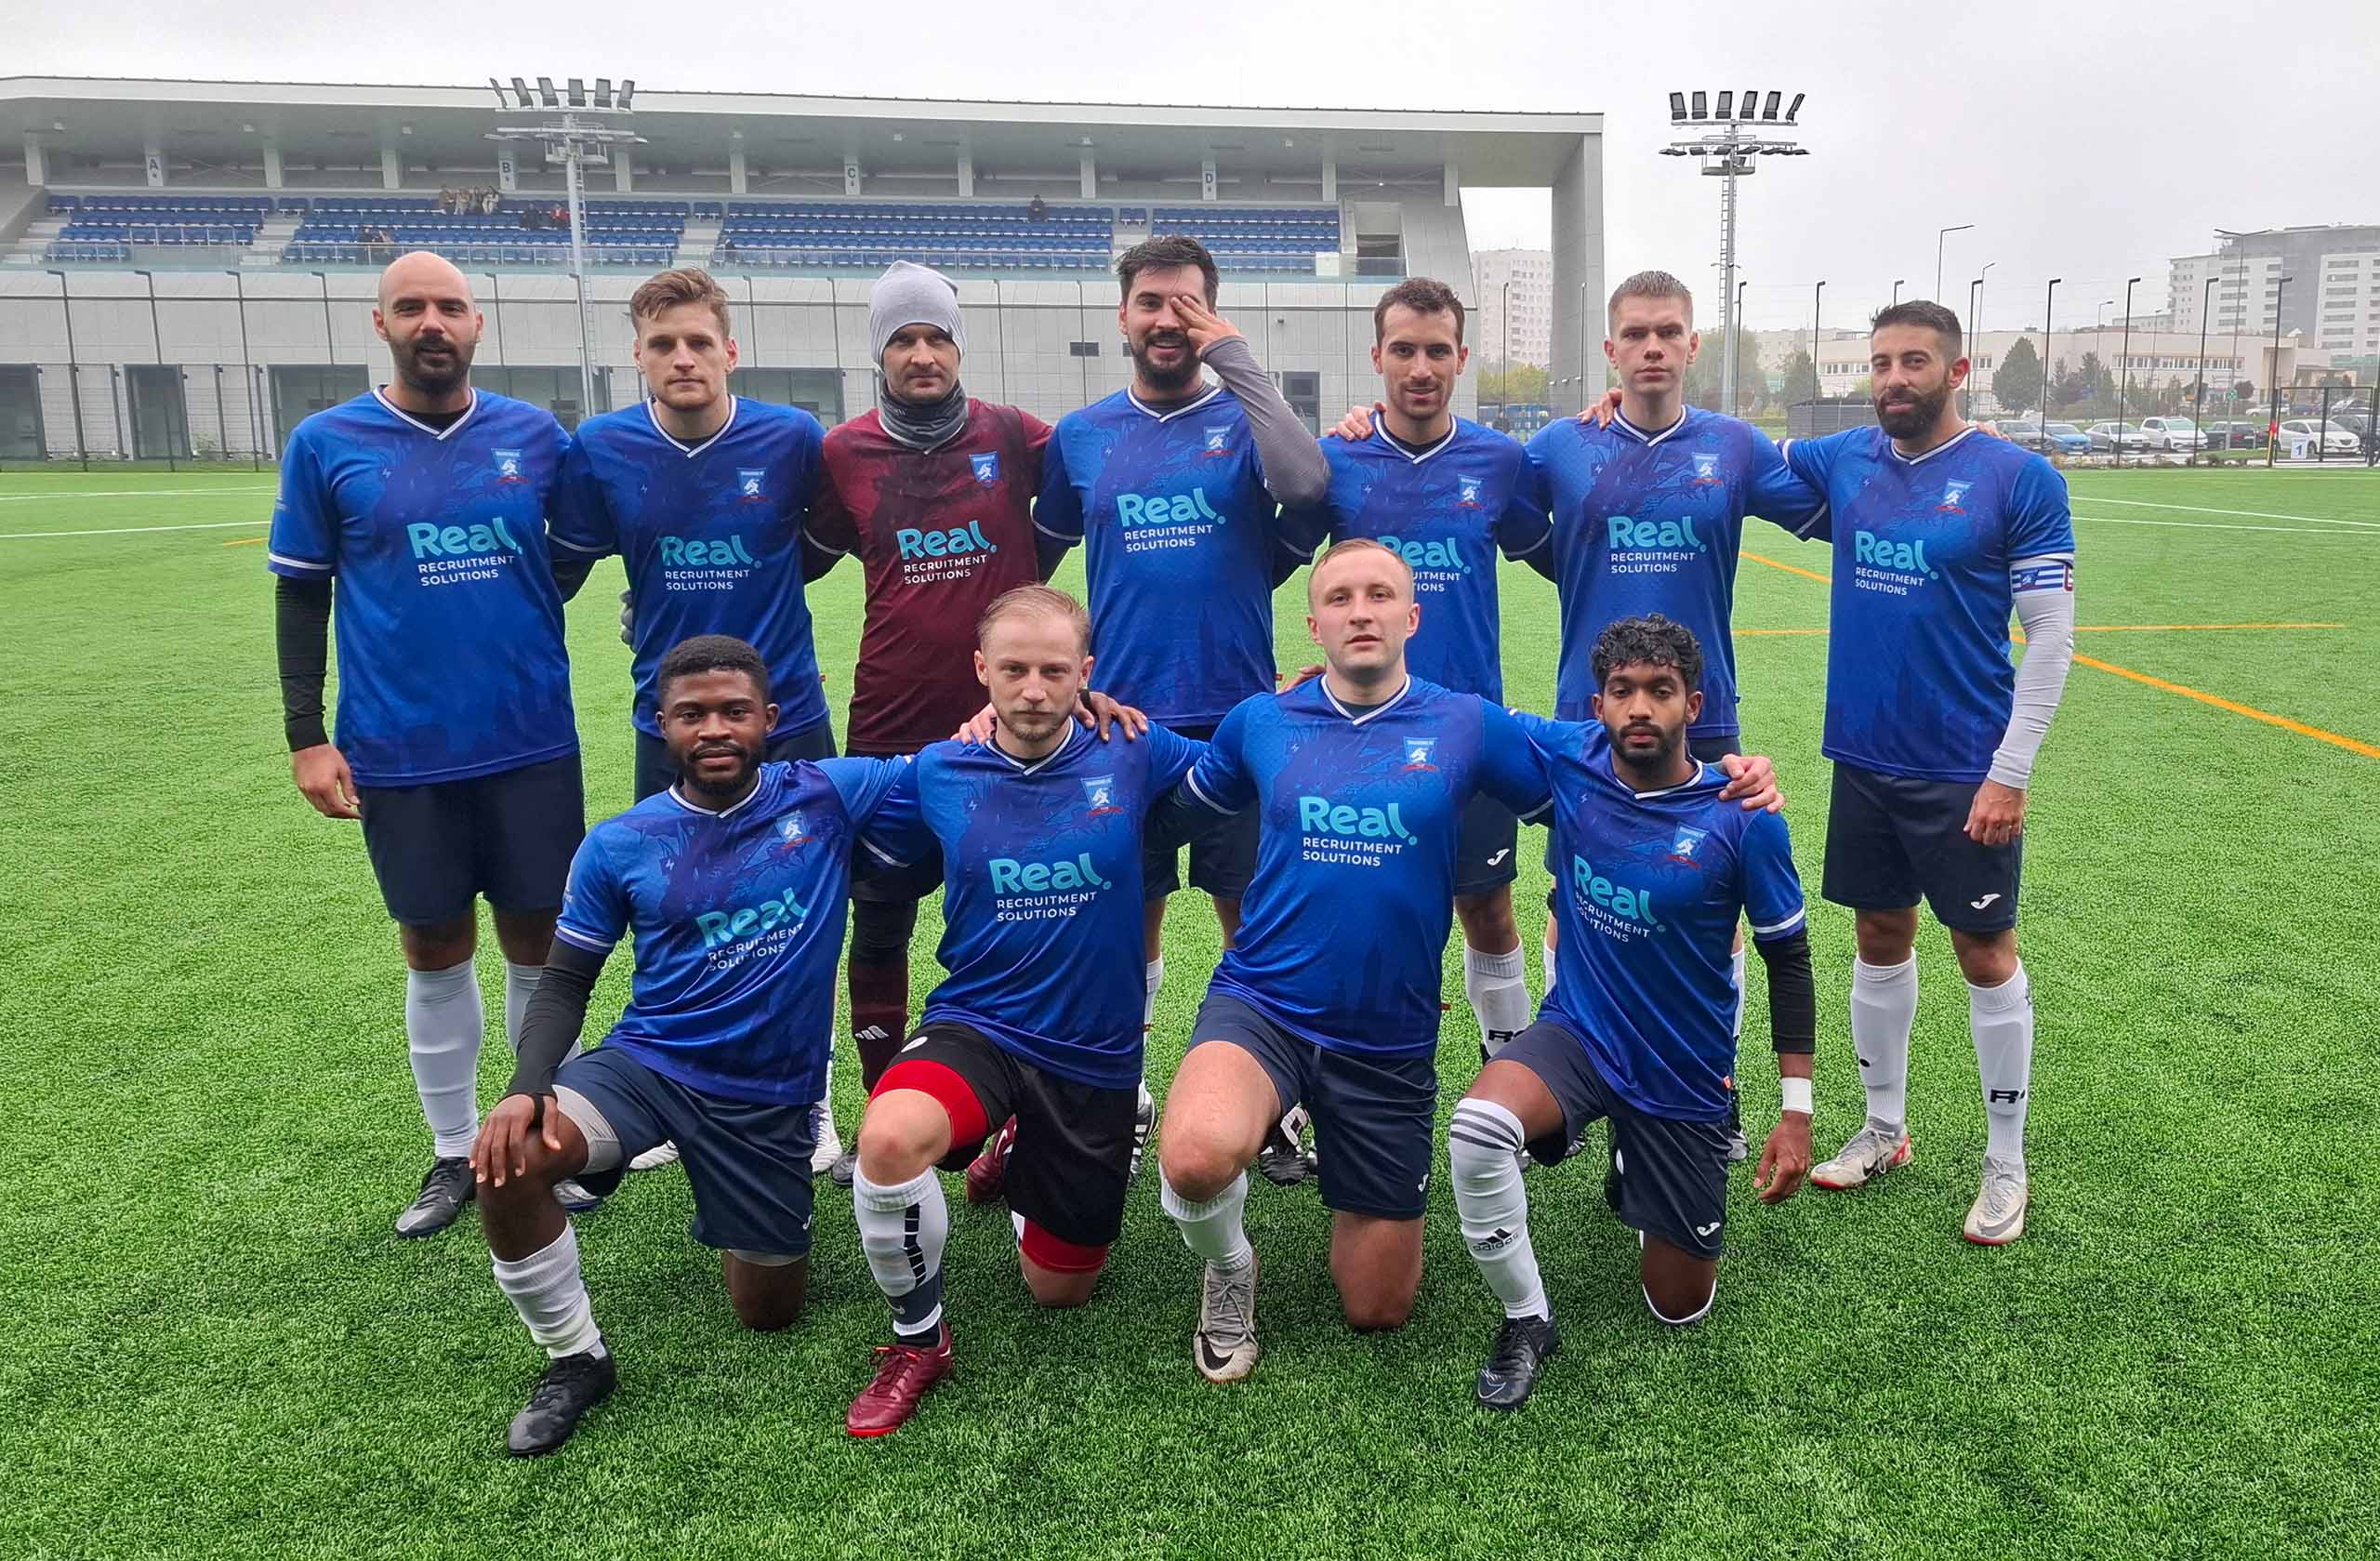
(1796, 1093)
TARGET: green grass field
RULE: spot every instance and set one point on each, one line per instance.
(210, 1343)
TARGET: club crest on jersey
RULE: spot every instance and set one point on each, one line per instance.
(987, 468)
(1219, 441)
(747, 482)
(1098, 791)
(1418, 751)
(1466, 493)
(1683, 848)
(1951, 494)
(790, 832)
(507, 466)
(1706, 468)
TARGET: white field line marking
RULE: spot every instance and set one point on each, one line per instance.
(210, 525)
(2243, 514)
(136, 492)
(2218, 525)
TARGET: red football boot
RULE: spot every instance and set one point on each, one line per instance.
(903, 1375)
(989, 1168)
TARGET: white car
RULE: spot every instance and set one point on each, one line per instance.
(2170, 433)
(2329, 437)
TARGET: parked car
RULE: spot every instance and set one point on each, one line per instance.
(2058, 439)
(2070, 440)
(2234, 436)
(2110, 438)
(2328, 439)
(2170, 433)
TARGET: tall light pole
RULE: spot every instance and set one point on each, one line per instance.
(73, 369)
(573, 133)
(2273, 430)
(2049, 297)
(157, 350)
(1506, 399)
(247, 376)
(1939, 240)
(330, 340)
(2124, 388)
(1817, 386)
(1974, 324)
(1738, 359)
(2197, 396)
(1897, 281)
(1740, 130)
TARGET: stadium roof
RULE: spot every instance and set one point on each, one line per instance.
(112, 119)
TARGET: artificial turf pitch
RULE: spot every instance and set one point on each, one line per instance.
(211, 1345)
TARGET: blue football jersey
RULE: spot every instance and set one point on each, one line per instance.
(1649, 886)
(1343, 930)
(1918, 680)
(1182, 537)
(447, 622)
(1041, 891)
(1652, 522)
(738, 922)
(711, 536)
(1445, 511)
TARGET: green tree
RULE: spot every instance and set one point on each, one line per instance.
(2017, 380)
(2054, 392)
(1499, 385)
(1752, 383)
(1801, 377)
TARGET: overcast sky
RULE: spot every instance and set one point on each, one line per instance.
(2087, 142)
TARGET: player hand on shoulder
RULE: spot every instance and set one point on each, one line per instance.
(1203, 326)
(1785, 1159)
(1098, 713)
(322, 774)
(1357, 424)
(1305, 674)
(1602, 411)
(502, 1146)
(1998, 814)
(979, 727)
(1752, 778)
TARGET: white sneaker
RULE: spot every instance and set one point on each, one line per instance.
(1224, 1348)
(1998, 1216)
(1870, 1152)
(830, 1145)
(661, 1153)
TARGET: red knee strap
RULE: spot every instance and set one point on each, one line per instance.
(1058, 1255)
(944, 1084)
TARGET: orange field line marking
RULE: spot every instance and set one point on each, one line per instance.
(2284, 722)
(244, 542)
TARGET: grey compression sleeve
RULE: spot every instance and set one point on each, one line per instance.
(2049, 620)
(1296, 471)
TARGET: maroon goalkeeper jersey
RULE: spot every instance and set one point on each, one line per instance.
(940, 534)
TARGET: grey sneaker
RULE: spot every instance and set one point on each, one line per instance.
(1870, 1152)
(1998, 1216)
(1224, 1347)
(574, 1198)
(1143, 1123)
(444, 1190)
(661, 1153)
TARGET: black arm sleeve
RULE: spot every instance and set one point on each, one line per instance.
(302, 633)
(817, 560)
(1287, 562)
(1541, 560)
(1792, 993)
(1048, 551)
(557, 1013)
(571, 572)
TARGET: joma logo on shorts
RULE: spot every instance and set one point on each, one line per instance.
(1012, 877)
(730, 926)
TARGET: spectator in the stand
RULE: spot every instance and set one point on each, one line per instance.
(1038, 209)
(489, 200)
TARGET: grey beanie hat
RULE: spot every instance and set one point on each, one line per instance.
(912, 295)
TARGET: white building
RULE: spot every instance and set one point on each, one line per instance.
(1528, 276)
(2332, 295)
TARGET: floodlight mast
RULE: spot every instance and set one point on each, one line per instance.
(1744, 128)
(572, 134)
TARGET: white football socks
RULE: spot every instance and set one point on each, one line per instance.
(1155, 974)
(545, 1287)
(1211, 1229)
(1492, 1203)
(1498, 987)
(1883, 1006)
(903, 1229)
(444, 1022)
(2001, 1021)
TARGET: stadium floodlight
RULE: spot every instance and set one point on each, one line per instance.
(575, 137)
(1795, 112)
(627, 90)
(1726, 150)
(519, 93)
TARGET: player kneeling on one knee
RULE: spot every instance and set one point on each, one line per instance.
(733, 882)
(1653, 867)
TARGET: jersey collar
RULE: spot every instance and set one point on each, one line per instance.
(1024, 767)
(1379, 437)
(1381, 710)
(690, 451)
(760, 785)
(1146, 410)
(1913, 460)
(1611, 767)
(400, 415)
(1619, 421)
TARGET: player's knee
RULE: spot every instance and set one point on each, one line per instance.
(1887, 937)
(1487, 923)
(765, 1313)
(1060, 1273)
(899, 1136)
(1059, 1291)
(1481, 1142)
(1985, 961)
(1195, 1166)
(1678, 1300)
(1376, 1310)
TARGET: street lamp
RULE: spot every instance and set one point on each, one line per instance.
(2197, 395)
(1741, 130)
(1740, 285)
(1897, 281)
(2125, 388)
(73, 369)
(1506, 398)
(572, 131)
(2049, 297)
(1939, 239)
(1975, 324)
(2272, 433)
(157, 350)
(1817, 386)
(330, 339)
(249, 376)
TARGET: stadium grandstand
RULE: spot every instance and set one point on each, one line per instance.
(186, 268)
